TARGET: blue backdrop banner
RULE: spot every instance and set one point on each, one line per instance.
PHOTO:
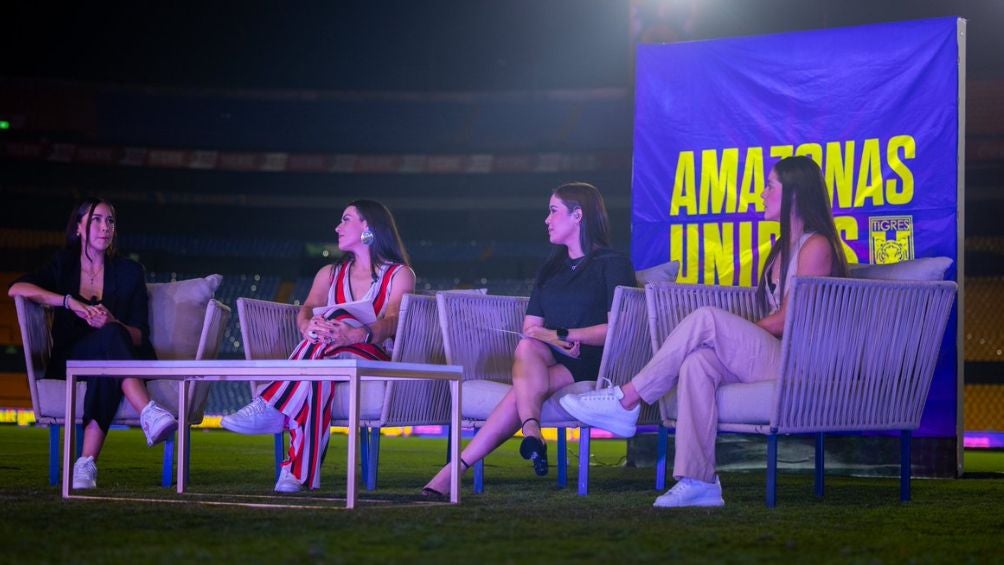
(876, 106)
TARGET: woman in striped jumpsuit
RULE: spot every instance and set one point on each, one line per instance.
(374, 268)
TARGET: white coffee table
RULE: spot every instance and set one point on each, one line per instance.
(350, 371)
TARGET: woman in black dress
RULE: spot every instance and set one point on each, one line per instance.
(564, 328)
(100, 302)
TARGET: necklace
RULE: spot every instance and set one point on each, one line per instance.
(574, 263)
(92, 274)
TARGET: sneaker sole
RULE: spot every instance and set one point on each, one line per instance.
(239, 429)
(162, 434)
(700, 503)
(288, 489)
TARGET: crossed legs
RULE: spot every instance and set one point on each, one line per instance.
(94, 435)
(102, 396)
(535, 376)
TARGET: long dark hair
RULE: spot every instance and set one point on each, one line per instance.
(387, 246)
(803, 187)
(594, 231)
(86, 208)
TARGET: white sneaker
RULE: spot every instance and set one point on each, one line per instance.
(85, 473)
(255, 418)
(691, 492)
(602, 409)
(287, 483)
(158, 424)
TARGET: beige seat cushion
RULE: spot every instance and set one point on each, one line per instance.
(52, 395)
(738, 403)
(480, 397)
(371, 399)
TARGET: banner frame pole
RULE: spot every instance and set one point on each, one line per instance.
(960, 208)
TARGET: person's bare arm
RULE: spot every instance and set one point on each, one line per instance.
(815, 259)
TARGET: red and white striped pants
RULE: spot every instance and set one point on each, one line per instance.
(307, 406)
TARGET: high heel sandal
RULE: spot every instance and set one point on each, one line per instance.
(534, 449)
(430, 493)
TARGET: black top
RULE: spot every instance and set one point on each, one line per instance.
(124, 295)
(580, 297)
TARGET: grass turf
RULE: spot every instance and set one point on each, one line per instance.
(520, 518)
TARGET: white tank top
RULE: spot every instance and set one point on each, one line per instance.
(774, 297)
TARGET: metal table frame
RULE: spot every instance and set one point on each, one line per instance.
(351, 371)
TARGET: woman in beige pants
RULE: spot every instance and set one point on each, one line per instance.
(711, 347)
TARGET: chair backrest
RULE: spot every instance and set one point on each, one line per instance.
(627, 346)
(669, 303)
(213, 325)
(478, 332)
(35, 322)
(418, 339)
(859, 354)
(268, 331)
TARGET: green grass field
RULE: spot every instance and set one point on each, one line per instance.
(520, 517)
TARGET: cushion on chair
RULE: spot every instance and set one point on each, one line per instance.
(371, 397)
(665, 272)
(177, 311)
(922, 269)
(52, 398)
(480, 397)
(738, 403)
(52, 395)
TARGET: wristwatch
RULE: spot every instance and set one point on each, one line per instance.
(562, 334)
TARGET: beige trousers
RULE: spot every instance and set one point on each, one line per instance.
(710, 347)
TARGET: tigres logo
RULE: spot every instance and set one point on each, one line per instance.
(891, 239)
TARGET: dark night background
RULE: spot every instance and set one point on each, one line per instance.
(518, 78)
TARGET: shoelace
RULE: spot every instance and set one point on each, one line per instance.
(256, 407)
(84, 466)
(605, 393)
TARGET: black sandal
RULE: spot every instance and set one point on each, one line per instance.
(432, 494)
(535, 450)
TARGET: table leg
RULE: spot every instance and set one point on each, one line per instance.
(69, 431)
(181, 460)
(455, 468)
(350, 472)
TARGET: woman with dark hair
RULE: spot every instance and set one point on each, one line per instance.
(100, 303)
(564, 328)
(374, 271)
(711, 347)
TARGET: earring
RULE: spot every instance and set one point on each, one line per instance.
(367, 237)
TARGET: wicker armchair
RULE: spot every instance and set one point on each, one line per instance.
(48, 396)
(269, 332)
(471, 336)
(835, 376)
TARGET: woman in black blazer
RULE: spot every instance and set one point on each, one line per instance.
(100, 302)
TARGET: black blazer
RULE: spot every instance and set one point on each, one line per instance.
(125, 296)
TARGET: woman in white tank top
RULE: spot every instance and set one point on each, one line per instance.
(711, 347)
